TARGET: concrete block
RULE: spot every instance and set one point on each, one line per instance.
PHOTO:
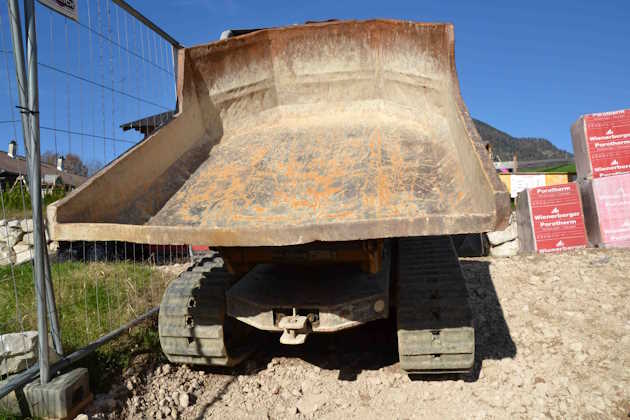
(53, 247)
(13, 224)
(13, 344)
(11, 236)
(507, 249)
(29, 238)
(7, 256)
(27, 225)
(502, 236)
(16, 364)
(19, 351)
(23, 252)
(62, 398)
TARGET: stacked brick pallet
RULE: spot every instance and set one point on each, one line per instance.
(602, 154)
(550, 219)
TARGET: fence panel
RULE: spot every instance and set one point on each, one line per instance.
(16, 312)
(104, 80)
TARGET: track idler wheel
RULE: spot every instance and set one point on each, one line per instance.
(193, 325)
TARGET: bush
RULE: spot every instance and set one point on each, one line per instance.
(19, 199)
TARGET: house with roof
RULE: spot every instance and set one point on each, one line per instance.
(13, 169)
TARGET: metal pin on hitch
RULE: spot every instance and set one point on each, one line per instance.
(296, 328)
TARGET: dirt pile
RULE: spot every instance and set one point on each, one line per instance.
(552, 339)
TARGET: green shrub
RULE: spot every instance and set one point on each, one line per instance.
(18, 199)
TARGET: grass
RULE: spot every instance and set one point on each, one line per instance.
(570, 168)
(92, 299)
(11, 214)
(16, 202)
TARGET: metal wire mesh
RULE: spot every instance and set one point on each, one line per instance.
(13, 315)
(104, 80)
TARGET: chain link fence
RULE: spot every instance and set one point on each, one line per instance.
(106, 80)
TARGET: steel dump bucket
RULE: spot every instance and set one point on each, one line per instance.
(330, 131)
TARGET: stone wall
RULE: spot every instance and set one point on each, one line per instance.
(16, 241)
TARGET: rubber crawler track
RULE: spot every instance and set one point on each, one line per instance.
(192, 323)
(435, 330)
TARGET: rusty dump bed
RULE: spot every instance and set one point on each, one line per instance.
(331, 131)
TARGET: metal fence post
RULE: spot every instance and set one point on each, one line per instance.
(55, 330)
(27, 124)
(34, 169)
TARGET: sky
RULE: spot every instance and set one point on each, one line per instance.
(94, 76)
(529, 68)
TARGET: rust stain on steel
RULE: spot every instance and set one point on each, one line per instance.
(288, 177)
(332, 131)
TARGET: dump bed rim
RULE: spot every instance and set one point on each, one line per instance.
(258, 32)
(272, 235)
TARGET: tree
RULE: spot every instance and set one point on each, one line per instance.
(49, 158)
(72, 163)
(94, 166)
(75, 165)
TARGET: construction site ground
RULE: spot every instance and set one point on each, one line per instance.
(552, 341)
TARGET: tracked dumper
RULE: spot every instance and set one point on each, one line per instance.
(326, 164)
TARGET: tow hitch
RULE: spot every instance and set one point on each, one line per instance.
(296, 327)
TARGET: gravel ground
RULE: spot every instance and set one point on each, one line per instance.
(553, 340)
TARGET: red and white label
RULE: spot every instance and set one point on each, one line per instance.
(612, 197)
(557, 218)
(200, 248)
(608, 138)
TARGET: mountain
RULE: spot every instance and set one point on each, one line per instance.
(504, 146)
